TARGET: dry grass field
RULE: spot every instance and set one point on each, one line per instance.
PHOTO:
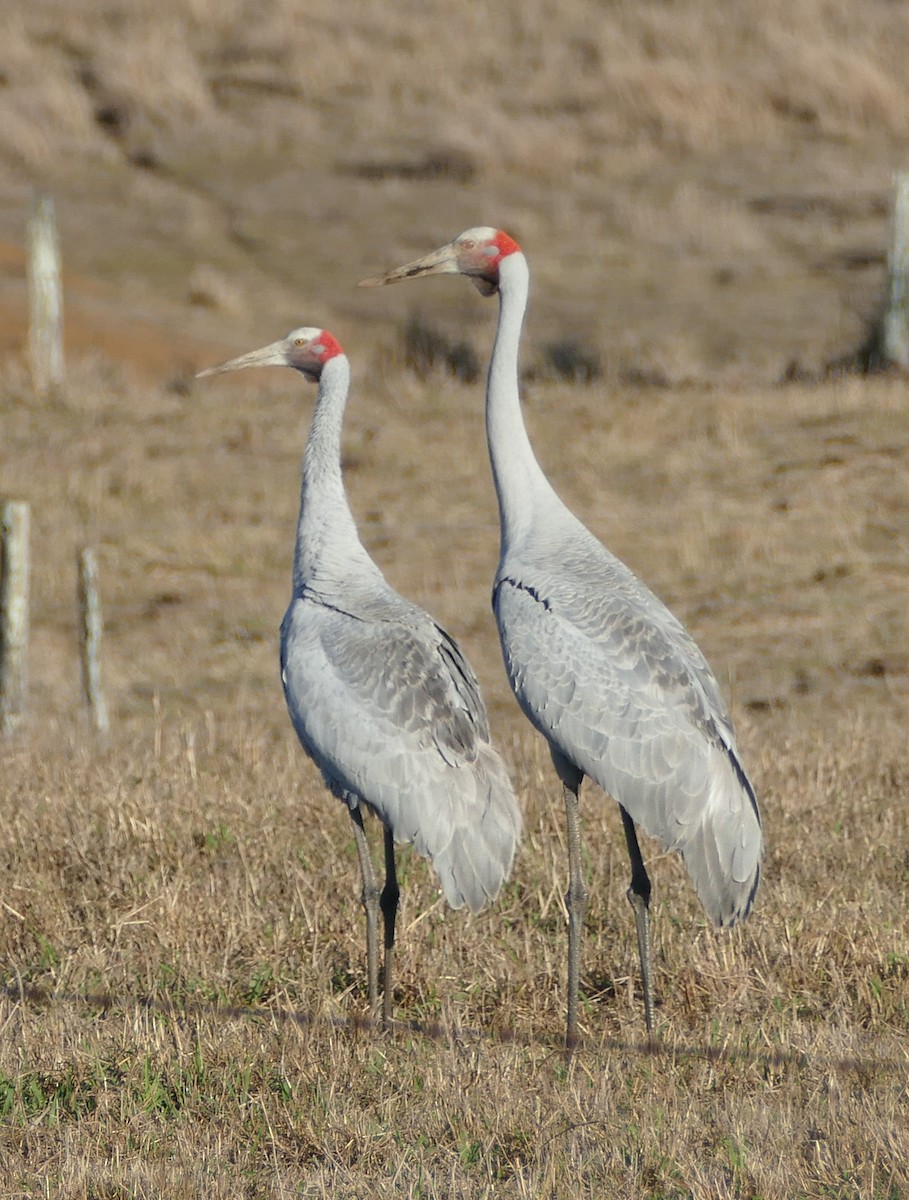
(703, 193)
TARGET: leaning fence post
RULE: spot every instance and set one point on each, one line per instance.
(14, 522)
(90, 627)
(895, 326)
(45, 292)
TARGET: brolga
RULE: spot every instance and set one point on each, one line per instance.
(598, 664)
(381, 697)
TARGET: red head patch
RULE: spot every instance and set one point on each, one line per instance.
(506, 245)
(330, 345)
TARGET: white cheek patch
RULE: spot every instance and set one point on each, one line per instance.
(491, 251)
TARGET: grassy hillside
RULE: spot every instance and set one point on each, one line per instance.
(703, 189)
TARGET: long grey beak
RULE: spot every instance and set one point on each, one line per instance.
(274, 355)
(443, 261)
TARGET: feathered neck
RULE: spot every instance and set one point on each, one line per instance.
(328, 550)
(518, 477)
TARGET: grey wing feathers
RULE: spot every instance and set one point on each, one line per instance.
(621, 690)
(391, 712)
(472, 841)
(463, 680)
(722, 851)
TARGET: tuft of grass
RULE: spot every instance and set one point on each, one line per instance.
(571, 361)
(427, 348)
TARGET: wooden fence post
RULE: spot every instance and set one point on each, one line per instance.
(45, 291)
(14, 523)
(90, 626)
(895, 327)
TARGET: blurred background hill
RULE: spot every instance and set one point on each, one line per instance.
(703, 189)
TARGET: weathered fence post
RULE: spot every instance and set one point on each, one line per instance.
(90, 627)
(45, 292)
(14, 522)
(895, 326)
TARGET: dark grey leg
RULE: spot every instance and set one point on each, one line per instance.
(639, 898)
(370, 898)
(389, 903)
(576, 896)
(576, 901)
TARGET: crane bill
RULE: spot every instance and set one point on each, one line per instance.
(440, 262)
(377, 280)
(213, 370)
(269, 356)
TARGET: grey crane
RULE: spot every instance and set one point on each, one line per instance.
(380, 696)
(598, 664)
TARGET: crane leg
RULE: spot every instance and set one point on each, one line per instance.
(639, 898)
(389, 903)
(576, 903)
(370, 897)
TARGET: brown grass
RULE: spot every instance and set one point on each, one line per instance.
(185, 1004)
(703, 193)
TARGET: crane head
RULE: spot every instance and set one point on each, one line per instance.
(475, 253)
(305, 349)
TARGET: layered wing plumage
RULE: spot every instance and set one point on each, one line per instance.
(615, 683)
(388, 707)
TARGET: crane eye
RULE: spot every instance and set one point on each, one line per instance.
(468, 244)
(299, 341)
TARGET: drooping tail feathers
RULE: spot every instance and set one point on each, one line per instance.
(471, 834)
(723, 850)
